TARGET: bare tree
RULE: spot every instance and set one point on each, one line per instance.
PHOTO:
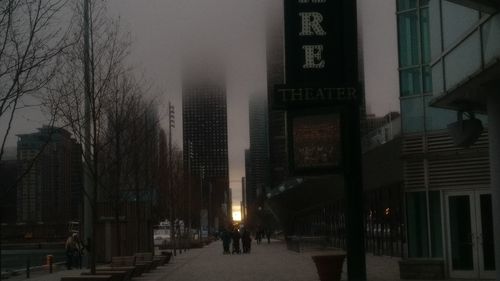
(120, 107)
(108, 49)
(30, 41)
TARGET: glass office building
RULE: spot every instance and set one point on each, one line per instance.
(448, 63)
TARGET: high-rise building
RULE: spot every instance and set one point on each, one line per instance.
(278, 151)
(204, 111)
(449, 63)
(52, 165)
(257, 157)
(243, 199)
(9, 172)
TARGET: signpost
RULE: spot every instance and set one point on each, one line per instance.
(322, 100)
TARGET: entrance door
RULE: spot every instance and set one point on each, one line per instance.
(470, 235)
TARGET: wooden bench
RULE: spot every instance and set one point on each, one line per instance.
(161, 260)
(121, 261)
(146, 259)
(115, 275)
(128, 270)
(87, 278)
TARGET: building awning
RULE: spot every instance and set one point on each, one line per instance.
(471, 93)
(488, 6)
(299, 194)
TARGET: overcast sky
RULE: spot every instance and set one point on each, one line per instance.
(162, 30)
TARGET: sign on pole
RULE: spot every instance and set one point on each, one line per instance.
(322, 98)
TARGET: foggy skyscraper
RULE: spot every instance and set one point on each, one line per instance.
(257, 157)
(204, 112)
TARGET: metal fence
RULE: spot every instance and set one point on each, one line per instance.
(324, 226)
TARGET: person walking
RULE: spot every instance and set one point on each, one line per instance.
(79, 248)
(236, 241)
(268, 236)
(246, 240)
(226, 241)
(258, 236)
(70, 247)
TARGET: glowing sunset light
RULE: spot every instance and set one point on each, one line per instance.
(237, 216)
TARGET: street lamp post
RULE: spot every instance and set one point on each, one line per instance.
(171, 116)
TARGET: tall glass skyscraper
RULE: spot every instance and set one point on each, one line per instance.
(204, 112)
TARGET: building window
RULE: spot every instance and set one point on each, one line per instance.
(412, 109)
(414, 47)
(415, 75)
(425, 239)
(408, 39)
(418, 240)
(436, 224)
(410, 80)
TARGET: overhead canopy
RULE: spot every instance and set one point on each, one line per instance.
(471, 94)
(488, 6)
(299, 194)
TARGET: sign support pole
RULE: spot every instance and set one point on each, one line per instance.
(356, 264)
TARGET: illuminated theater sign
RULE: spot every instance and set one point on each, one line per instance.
(320, 55)
(321, 79)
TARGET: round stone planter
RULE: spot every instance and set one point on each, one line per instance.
(329, 266)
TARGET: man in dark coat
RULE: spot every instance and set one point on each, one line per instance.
(236, 241)
(226, 241)
(246, 240)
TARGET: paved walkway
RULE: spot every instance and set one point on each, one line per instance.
(267, 262)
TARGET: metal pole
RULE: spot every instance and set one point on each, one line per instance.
(356, 264)
(494, 135)
(171, 185)
(28, 268)
(1, 221)
(88, 194)
(209, 209)
(202, 175)
(189, 188)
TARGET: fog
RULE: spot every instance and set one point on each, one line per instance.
(164, 33)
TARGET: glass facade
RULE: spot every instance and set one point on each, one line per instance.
(415, 73)
(421, 227)
(416, 211)
(441, 45)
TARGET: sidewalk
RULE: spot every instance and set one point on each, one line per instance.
(267, 262)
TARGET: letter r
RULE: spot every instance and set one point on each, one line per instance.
(311, 24)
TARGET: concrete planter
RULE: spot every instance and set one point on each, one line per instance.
(422, 269)
(329, 266)
(168, 255)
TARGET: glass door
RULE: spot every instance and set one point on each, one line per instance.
(470, 235)
(461, 247)
(485, 235)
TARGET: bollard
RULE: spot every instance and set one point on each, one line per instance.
(50, 261)
(28, 268)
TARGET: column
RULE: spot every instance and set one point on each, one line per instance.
(494, 134)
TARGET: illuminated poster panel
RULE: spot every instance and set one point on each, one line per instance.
(316, 142)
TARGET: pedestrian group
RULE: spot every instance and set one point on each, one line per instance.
(233, 235)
